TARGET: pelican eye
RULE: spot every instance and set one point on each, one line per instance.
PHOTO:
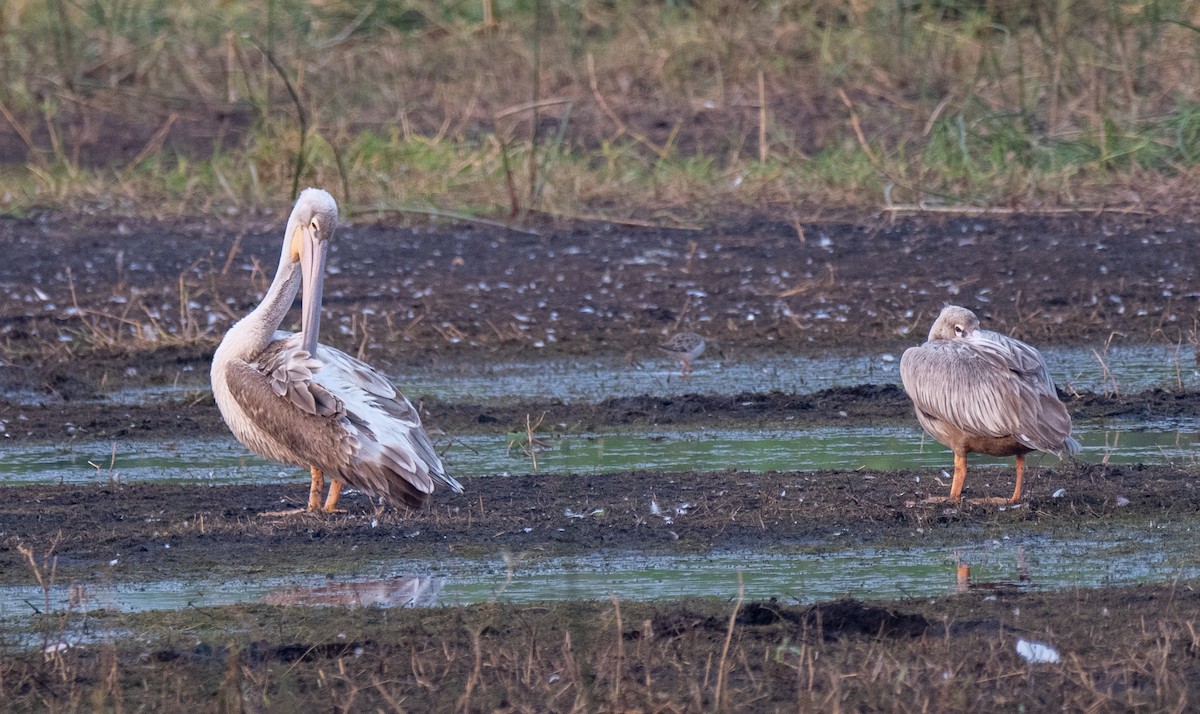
(959, 331)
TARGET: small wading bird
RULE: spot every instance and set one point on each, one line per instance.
(978, 391)
(685, 347)
(289, 399)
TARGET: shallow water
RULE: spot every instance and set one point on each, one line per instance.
(1131, 369)
(1098, 557)
(223, 461)
(1134, 369)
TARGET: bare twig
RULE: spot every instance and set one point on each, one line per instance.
(619, 665)
(858, 132)
(622, 128)
(762, 118)
(156, 142)
(722, 695)
(1006, 211)
(34, 154)
(531, 105)
(301, 115)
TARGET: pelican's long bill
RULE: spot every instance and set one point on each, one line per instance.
(313, 251)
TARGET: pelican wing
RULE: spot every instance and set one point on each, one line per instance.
(337, 413)
(991, 385)
(287, 426)
(359, 375)
(290, 371)
(391, 440)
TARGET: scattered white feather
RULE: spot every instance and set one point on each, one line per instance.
(1037, 653)
(579, 514)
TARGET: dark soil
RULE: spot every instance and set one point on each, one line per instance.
(478, 292)
(475, 293)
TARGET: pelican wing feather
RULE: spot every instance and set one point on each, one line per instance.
(291, 374)
(284, 428)
(990, 385)
(386, 422)
(359, 375)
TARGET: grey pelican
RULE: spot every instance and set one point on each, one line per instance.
(290, 399)
(978, 391)
(685, 347)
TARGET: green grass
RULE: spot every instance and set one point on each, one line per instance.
(648, 107)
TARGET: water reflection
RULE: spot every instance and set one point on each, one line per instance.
(399, 591)
(1105, 556)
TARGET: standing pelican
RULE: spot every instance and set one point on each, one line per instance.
(983, 392)
(287, 398)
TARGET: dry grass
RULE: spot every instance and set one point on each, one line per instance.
(621, 108)
(1122, 649)
(141, 324)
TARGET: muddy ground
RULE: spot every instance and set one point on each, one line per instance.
(156, 296)
(92, 304)
(147, 531)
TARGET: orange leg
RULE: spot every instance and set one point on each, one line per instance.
(1020, 475)
(960, 477)
(335, 492)
(685, 368)
(963, 577)
(314, 491)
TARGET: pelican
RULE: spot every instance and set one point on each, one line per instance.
(978, 391)
(290, 399)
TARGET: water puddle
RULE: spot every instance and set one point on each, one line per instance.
(224, 461)
(1104, 557)
(1129, 370)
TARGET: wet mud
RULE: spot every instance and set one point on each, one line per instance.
(467, 294)
(106, 294)
(145, 530)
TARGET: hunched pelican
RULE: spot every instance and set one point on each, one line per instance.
(978, 391)
(289, 399)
